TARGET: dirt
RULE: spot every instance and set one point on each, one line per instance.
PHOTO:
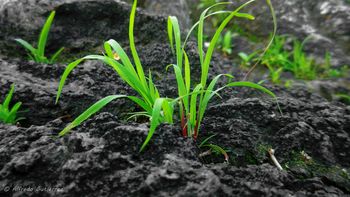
(101, 158)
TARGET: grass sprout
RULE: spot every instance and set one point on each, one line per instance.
(38, 54)
(225, 43)
(278, 60)
(9, 115)
(194, 101)
(213, 147)
(159, 109)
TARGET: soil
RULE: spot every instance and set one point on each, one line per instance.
(311, 137)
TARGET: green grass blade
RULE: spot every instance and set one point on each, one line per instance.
(240, 15)
(219, 150)
(207, 96)
(200, 30)
(133, 47)
(67, 71)
(210, 51)
(181, 86)
(156, 115)
(13, 113)
(251, 85)
(138, 114)
(141, 103)
(9, 98)
(123, 57)
(31, 57)
(44, 34)
(243, 56)
(2, 113)
(89, 112)
(197, 23)
(187, 73)
(274, 19)
(152, 88)
(170, 34)
(257, 87)
(56, 55)
(193, 107)
(168, 111)
(174, 23)
(26, 45)
(206, 140)
(244, 15)
(125, 72)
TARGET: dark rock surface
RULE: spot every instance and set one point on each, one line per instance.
(179, 8)
(88, 24)
(100, 157)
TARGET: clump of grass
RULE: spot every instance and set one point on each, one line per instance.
(278, 60)
(38, 54)
(158, 109)
(192, 102)
(9, 115)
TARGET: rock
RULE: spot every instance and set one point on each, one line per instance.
(318, 128)
(73, 27)
(166, 8)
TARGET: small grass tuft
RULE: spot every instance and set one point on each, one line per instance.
(194, 101)
(38, 54)
(9, 115)
(279, 60)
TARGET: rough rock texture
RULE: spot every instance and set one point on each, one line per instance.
(88, 24)
(100, 157)
(179, 8)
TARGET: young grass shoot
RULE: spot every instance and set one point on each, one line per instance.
(158, 109)
(38, 54)
(194, 101)
(9, 115)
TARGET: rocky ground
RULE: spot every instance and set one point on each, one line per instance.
(100, 158)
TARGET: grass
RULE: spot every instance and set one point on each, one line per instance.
(214, 20)
(278, 60)
(38, 54)
(192, 100)
(9, 115)
(213, 147)
(225, 43)
(158, 109)
(313, 168)
(344, 98)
